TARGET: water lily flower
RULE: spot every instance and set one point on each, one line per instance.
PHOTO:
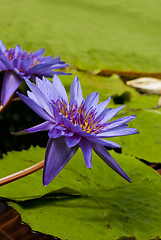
(19, 65)
(78, 123)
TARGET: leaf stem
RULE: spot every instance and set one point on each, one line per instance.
(21, 174)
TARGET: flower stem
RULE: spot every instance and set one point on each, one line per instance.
(2, 108)
(21, 174)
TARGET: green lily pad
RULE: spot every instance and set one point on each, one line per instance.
(21, 190)
(147, 144)
(87, 34)
(91, 203)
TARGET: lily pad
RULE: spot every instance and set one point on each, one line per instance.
(87, 34)
(147, 144)
(106, 205)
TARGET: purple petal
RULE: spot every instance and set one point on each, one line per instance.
(16, 63)
(76, 92)
(120, 127)
(100, 107)
(20, 73)
(45, 69)
(42, 99)
(2, 47)
(60, 88)
(91, 100)
(26, 64)
(2, 66)
(52, 60)
(39, 67)
(117, 133)
(103, 142)
(87, 151)
(107, 114)
(55, 133)
(47, 88)
(119, 122)
(61, 73)
(36, 108)
(60, 65)
(69, 125)
(32, 96)
(6, 62)
(18, 50)
(112, 113)
(73, 140)
(108, 159)
(57, 156)
(58, 116)
(60, 127)
(41, 127)
(11, 82)
(39, 52)
(66, 131)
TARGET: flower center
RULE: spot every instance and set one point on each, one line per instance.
(80, 116)
(12, 54)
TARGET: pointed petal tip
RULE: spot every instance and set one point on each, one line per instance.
(45, 181)
(128, 179)
(76, 78)
(109, 99)
(27, 81)
(125, 176)
(55, 76)
(136, 132)
(89, 167)
(19, 133)
(19, 94)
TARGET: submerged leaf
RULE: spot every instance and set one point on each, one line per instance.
(11, 226)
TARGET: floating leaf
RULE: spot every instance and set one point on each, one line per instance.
(91, 203)
(147, 144)
(91, 35)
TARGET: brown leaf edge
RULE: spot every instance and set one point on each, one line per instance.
(128, 75)
(13, 228)
(134, 238)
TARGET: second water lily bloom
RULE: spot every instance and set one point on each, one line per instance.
(78, 123)
(19, 65)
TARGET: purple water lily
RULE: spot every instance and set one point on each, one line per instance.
(19, 64)
(78, 123)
